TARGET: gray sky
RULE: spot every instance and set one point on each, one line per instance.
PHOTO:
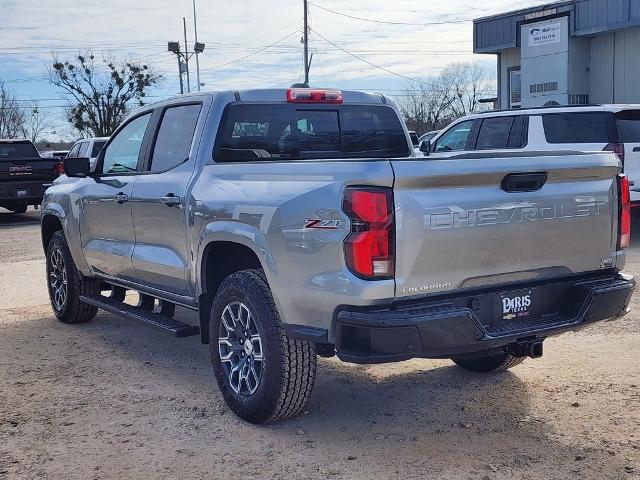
(31, 30)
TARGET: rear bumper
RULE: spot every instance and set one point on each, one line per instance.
(23, 192)
(465, 323)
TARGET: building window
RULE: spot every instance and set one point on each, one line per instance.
(514, 89)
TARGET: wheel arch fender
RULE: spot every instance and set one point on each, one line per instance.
(53, 218)
(225, 247)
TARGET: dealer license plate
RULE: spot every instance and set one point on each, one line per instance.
(515, 305)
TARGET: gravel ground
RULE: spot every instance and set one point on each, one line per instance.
(114, 399)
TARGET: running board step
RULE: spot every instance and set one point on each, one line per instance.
(156, 320)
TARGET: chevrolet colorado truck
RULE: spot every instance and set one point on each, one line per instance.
(24, 175)
(300, 223)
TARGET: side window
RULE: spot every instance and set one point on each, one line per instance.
(82, 152)
(175, 135)
(74, 151)
(494, 133)
(121, 155)
(455, 139)
(578, 127)
(519, 132)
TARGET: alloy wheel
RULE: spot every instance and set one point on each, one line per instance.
(58, 279)
(240, 349)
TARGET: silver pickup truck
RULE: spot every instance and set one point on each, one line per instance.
(300, 223)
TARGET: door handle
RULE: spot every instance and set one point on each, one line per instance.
(170, 200)
(523, 182)
(636, 149)
(121, 198)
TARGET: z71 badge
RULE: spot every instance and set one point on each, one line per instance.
(321, 224)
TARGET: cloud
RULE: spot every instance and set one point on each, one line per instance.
(235, 29)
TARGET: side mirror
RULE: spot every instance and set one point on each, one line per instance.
(77, 167)
(425, 147)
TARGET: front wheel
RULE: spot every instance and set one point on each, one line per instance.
(65, 284)
(263, 375)
(489, 363)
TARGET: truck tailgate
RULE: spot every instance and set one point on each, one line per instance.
(469, 221)
(28, 170)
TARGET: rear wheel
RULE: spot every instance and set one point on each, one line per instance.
(263, 375)
(66, 284)
(489, 363)
(19, 209)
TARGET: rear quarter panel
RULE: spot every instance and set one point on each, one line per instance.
(265, 206)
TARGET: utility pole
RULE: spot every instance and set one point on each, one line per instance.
(195, 31)
(186, 53)
(306, 43)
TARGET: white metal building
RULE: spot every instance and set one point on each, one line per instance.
(571, 52)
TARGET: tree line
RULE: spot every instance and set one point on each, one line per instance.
(102, 92)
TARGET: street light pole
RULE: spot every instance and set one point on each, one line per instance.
(195, 30)
(174, 47)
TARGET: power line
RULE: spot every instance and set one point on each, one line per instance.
(367, 61)
(428, 24)
(253, 53)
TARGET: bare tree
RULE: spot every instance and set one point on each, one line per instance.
(101, 98)
(36, 122)
(433, 103)
(11, 114)
(425, 105)
(468, 83)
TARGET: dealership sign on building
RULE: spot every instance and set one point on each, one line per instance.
(544, 34)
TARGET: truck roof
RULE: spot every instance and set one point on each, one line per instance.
(280, 95)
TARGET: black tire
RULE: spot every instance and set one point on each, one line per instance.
(19, 209)
(489, 363)
(286, 371)
(71, 309)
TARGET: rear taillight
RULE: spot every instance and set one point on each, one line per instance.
(307, 95)
(624, 217)
(369, 247)
(59, 169)
(617, 148)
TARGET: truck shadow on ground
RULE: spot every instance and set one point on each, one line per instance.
(398, 398)
(10, 219)
(431, 414)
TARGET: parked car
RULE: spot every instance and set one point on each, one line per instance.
(423, 141)
(24, 174)
(60, 154)
(613, 128)
(425, 137)
(298, 223)
(88, 147)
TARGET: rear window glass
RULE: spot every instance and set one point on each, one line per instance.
(586, 127)
(252, 132)
(9, 151)
(629, 126)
